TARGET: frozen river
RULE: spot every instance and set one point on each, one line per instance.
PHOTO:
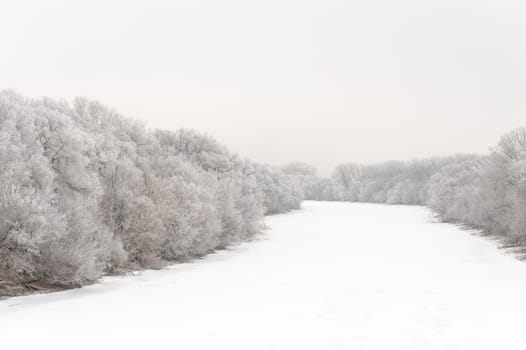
(330, 276)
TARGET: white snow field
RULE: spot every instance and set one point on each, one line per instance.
(330, 276)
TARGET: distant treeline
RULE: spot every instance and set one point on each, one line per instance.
(485, 192)
(85, 191)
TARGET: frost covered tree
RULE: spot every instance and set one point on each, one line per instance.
(49, 225)
(85, 191)
(282, 191)
(390, 182)
(485, 192)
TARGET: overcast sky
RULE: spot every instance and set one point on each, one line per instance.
(320, 81)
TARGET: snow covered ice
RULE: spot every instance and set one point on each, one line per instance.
(330, 276)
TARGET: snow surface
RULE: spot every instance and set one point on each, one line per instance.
(331, 276)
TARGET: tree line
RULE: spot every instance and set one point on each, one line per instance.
(85, 191)
(485, 192)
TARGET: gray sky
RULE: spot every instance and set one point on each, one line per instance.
(321, 81)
